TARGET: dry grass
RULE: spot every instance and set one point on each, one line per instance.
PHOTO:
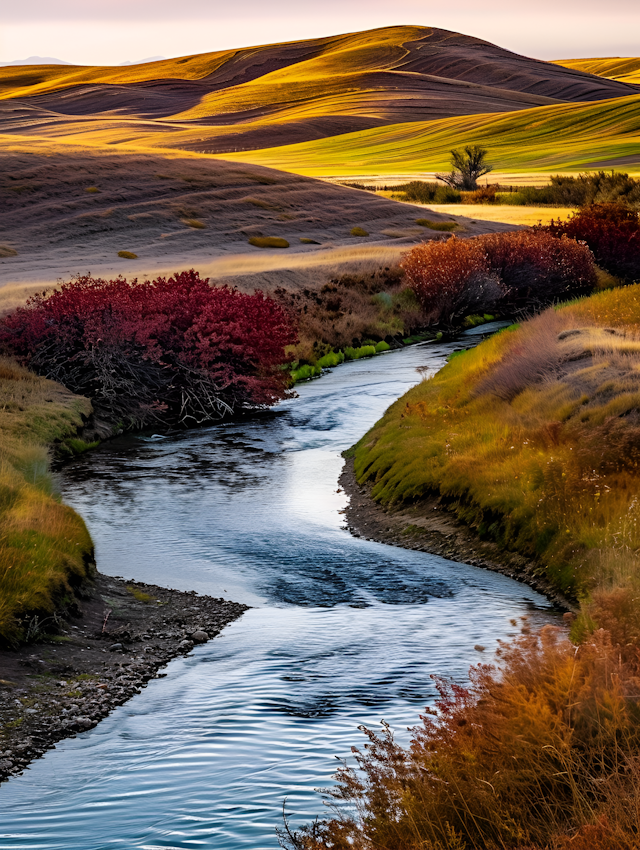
(5, 251)
(447, 226)
(543, 754)
(45, 549)
(194, 222)
(127, 255)
(359, 231)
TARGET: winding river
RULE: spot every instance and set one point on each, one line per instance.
(343, 631)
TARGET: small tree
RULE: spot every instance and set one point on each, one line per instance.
(467, 166)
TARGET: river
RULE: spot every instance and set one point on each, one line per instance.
(343, 631)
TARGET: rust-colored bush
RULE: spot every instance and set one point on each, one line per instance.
(518, 268)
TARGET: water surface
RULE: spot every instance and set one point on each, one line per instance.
(343, 631)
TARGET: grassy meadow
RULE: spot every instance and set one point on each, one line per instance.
(45, 549)
(565, 137)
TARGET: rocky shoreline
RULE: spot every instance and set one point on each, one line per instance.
(118, 637)
(429, 527)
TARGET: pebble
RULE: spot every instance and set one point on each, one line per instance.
(199, 637)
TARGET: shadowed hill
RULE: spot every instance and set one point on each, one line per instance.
(624, 70)
(270, 95)
(70, 212)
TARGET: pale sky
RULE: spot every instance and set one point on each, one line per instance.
(110, 32)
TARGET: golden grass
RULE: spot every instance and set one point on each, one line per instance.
(531, 439)
(527, 216)
(45, 548)
(5, 251)
(194, 222)
(359, 231)
(127, 255)
(626, 70)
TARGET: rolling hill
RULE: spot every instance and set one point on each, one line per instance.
(268, 96)
(567, 137)
(70, 212)
(612, 68)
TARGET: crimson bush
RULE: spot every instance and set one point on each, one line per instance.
(611, 231)
(519, 268)
(172, 350)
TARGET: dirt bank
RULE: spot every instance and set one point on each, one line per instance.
(120, 635)
(429, 527)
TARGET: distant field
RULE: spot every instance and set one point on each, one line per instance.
(269, 96)
(615, 68)
(505, 214)
(568, 137)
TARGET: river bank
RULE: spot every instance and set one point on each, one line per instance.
(428, 527)
(119, 636)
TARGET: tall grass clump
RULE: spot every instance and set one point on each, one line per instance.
(45, 550)
(540, 754)
(455, 278)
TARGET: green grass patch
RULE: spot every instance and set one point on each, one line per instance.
(359, 231)
(92, 190)
(360, 352)
(306, 241)
(139, 595)
(330, 359)
(127, 255)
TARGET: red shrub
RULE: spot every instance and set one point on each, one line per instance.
(176, 350)
(458, 277)
(451, 278)
(611, 231)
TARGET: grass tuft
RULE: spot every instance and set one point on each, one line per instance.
(446, 226)
(5, 251)
(268, 242)
(194, 222)
(127, 255)
(359, 231)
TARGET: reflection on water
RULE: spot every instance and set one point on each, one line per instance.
(343, 631)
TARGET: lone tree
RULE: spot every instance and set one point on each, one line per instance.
(467, 166)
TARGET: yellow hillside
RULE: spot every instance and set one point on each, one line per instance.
(626, 70)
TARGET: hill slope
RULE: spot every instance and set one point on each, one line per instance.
(65, 213)
(547, 139)
(265, 96)
(625, 70)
